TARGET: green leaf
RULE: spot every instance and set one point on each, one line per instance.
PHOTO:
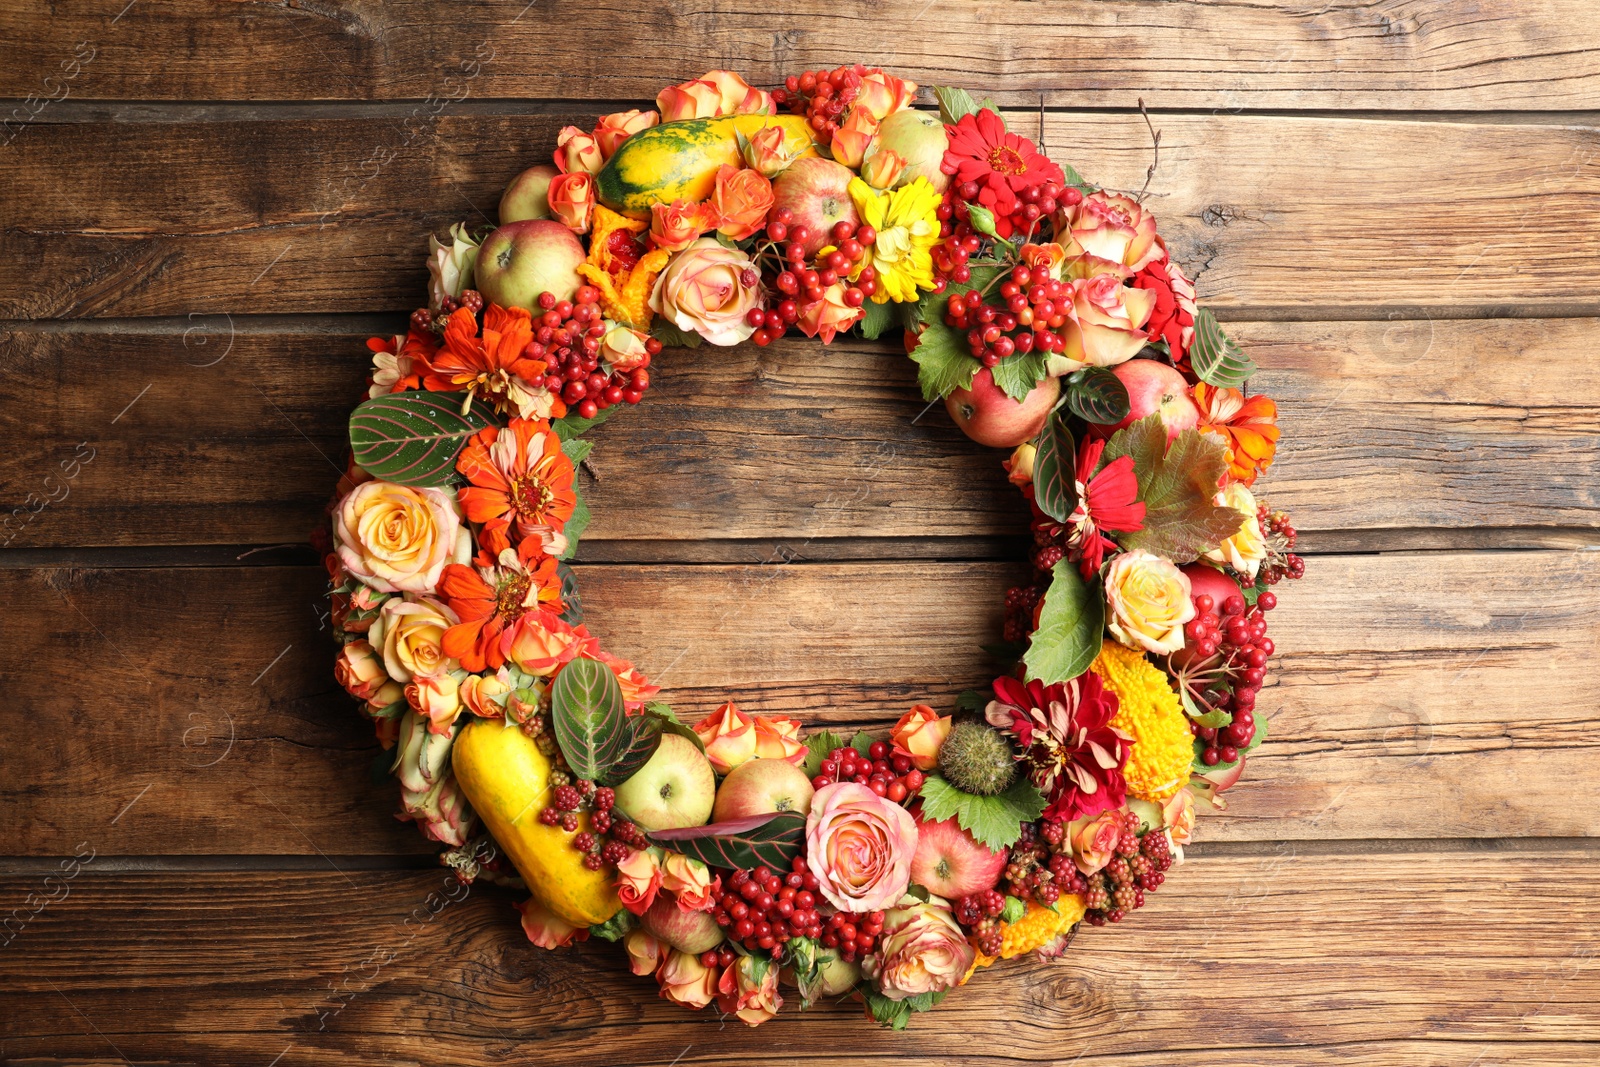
(1015, 909)
(642, 736)
(1055, 470)
(862, 742)
(1075, 179)
(894, 1014)
(670, 336)
(577, 450)
(588, 717)
(1200, 766)
(1177, 483)
(1071, 627)
(878, 318)
(943, 362)
(671, 724)
(1018, 374)
(818, 745)
(579, 521)
(954, 104)
(573, 615)
(769, 840)
(995, 821)
(616, 927)
(911, 316)
(413, 438)
(1216, 358)
(569, 427)
(1216, 718)
(1096, 395)
(971, 700)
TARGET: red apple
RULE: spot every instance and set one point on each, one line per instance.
(920, 140)
(686, 931)
(520, 260)
(528, 195)
(817, 190)
(1209, 580)
(758, 786)
(951, 863)
(987, 415)
(1153, 386)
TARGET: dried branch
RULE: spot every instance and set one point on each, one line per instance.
(1155, 141)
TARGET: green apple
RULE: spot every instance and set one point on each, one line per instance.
(675, 788)
(758, 786)
(520, 260)
(920, 139)
(528, 195)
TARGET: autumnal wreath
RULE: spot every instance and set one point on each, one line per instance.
(1048, 316)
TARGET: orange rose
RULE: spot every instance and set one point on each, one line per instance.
(851, 141)
(766, 151)
(779, 738)
(485, 694)
(639, 880)
(619, 126)
(1046, 259)
(572, 200)
(883, 94)
(828, 315)
(740, 202)
(720, 92)
(690, 881)
(541, 643)
(729, 737)
(359, 669)
(577, 151)
(545, 928)
(749, 990)
(438, 700)
(882, 168)
(675, 226)
(686, 981)
(918, 736)
(645, 953)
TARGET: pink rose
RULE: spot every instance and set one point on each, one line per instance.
(545, 928)
(828, 314)
(572, 200)
(921, 950)
(919, 735)
(1113, 228)
(749, 989)
(577, 151)
(729, 737)
(359, 669)
(1094, 841)
(779, 738)
(859, 846)
(1106, 322)
(639, 880)
(685, 980)
(645, 953)
(690, 881)
(740, 202)
(619, 126)
(709, 289)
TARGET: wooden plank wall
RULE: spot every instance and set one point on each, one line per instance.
(208, 208)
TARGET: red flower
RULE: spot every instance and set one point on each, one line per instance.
(1001, 163)
(488, 600)
(1107, 500)
(1074, 754)
(1172, 320)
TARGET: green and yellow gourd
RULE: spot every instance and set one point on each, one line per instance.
(507, 779)
(679, 160)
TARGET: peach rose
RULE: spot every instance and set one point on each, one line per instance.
(1094, 841)
(675, 226)
(740, 202)
(436, 699)
(636, 688)
(828, 315)
(1107, 322)
(749, 990)
(851, 141)
(1178, 814)
(767, 152)
(382, 704)
(577, 151)
(690, 881)
(1149, 601)
(1113, 228)
(685, 980)
(545, 928)
(485, 694)
(1019, 468)
(918, 736)
(1245, 550)
(540, 643)
(1048, 259)
(719, 92)
(883, 168)
(779, 738)
(572, 200)
(639, 880)
(359, 668)
(411, 631)
(709, 289)
(645, 953)
(624, 348)
(859, 846)
(617, 127)
(397, 538)
(728, 736)
(883, 94)
(921, 950)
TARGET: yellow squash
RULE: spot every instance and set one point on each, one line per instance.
(679, 160)
(507, 779)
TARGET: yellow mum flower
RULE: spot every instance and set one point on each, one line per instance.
(1036, 929)
(1149, 711)
(907, 221)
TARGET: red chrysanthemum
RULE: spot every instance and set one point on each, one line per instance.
(1107, 500)
(1172, 320)
(1002, 164)
(1073, 753)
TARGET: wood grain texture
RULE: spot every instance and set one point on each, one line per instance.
(305, 215)
(1350, 959)
(235, 437)
(1453, 54)
(1435, 695)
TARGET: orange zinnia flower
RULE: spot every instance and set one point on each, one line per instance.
(488, 600)
(522, 483)
(494, 365)
(1248, 424)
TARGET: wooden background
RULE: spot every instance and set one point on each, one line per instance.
(207, 208)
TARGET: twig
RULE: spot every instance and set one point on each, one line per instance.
(1155, 139)
(1042, 150)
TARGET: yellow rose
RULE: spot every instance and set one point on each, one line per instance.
(1245, 550)
(409, 632)
(919, 735)
(397, 538)
(1149, 601)
(728, 736)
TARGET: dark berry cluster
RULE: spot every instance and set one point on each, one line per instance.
(980, 914)
(1140, 866)
(762, 909)
(881, 770)
(609, 838)
(1280, 535)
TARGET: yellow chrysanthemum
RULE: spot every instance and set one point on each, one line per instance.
(1149, 711)
(907, 221)
(1034, 930)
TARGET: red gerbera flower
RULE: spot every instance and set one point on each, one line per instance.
(1107, 500)
(487, 600)
(1073, 753)
(1003, 164)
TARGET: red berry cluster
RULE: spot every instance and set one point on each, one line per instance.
(880, 770)
(1036, 308)
(762, 909)
(609, 838)
(1280, 536)
(801, 280)
(853, 934)
(567, 338)
(980, 914)
(1140, 866)
(1228, 652)
(822, 96)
